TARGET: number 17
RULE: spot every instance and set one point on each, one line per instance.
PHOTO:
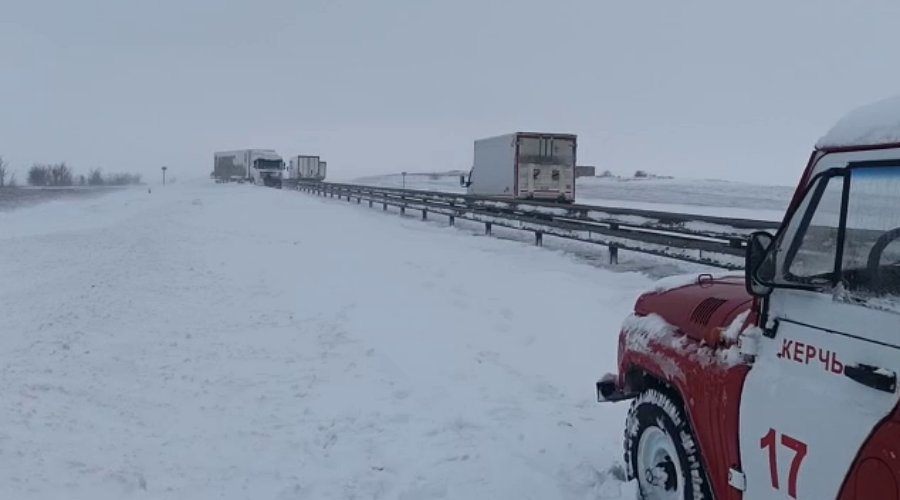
(799, 449)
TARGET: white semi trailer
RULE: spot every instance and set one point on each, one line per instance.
(524, 165)
(259, 166)
(306, 168)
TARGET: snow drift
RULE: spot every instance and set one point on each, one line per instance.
(207, 341)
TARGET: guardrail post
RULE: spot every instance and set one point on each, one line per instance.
(402, 210)
(384, 206)
(539, 238)
(487, 228)
(613, 255)
(424, 214)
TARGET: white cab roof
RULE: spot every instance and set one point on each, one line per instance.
(870, 125)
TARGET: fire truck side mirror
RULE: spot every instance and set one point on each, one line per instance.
(758, 262)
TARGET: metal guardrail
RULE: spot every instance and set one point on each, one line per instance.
(702, 239)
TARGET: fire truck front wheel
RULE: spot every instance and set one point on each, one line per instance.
(661, 451)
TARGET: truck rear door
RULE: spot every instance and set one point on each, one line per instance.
(825, 373)
(545, 167)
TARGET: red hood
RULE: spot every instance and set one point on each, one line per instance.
(700, 309)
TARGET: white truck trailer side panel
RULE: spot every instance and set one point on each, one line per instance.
(231, 165)
(493, 169)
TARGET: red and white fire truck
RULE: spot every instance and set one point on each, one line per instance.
(781, 383)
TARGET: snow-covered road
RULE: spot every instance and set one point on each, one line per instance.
(224, 341)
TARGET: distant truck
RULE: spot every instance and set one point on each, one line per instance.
(306, 168)
(259, 166)
(524, 165)
(585, 171)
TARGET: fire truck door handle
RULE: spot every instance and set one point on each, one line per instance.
(872, 376)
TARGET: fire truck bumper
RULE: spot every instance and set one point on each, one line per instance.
(609, 391)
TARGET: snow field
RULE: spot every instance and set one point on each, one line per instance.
(233, 341)
(687, 196)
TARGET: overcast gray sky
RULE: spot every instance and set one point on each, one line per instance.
(708, 89)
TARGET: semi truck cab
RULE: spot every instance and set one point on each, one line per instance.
(259, 166)
(781, 382)
(267, 171)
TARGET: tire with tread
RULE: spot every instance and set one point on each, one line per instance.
(656, 416)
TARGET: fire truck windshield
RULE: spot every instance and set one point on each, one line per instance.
(847, 233)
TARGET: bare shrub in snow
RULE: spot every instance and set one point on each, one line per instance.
(95, 178)
(38, 175)
(61, 175)
(58, 174)
(4, 171)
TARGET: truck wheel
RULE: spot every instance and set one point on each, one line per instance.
(660, 450)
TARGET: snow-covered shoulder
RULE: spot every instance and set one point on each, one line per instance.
(869, 125)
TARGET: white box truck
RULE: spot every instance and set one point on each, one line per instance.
(524, 165)
(306, 168)
(259, 166)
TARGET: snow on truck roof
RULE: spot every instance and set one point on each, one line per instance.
(870, 125)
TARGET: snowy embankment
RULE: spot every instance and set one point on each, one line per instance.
(686, 196)
(224, 341)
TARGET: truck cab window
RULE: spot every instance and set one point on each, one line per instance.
(870, 265)
(812, 237)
